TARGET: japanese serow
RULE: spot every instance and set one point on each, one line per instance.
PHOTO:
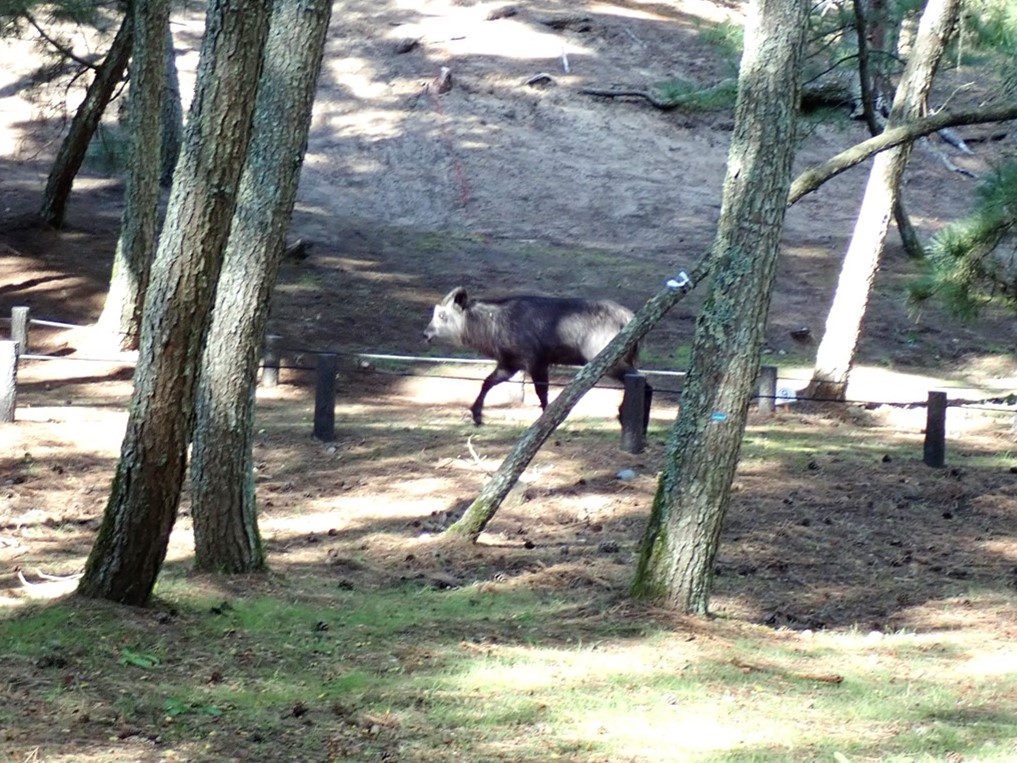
(529, 334)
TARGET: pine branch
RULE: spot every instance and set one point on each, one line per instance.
(812, 178)
(63, 49)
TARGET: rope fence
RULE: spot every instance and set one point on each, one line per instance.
(636, 401)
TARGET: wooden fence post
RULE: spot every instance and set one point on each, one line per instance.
(324, 398)
(270, 361)
(19, 328)
(767, 389)
(634, 413)
(8, 380)
(934, 452)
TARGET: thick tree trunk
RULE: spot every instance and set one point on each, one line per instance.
(836, 354)
(121, 314)
(134, 535)
(72, 150)
(222, 473)
(681, 539)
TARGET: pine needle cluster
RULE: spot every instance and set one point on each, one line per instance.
(974, 260)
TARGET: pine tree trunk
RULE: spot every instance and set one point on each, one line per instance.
(681, 539)
(222, 475)
(134, 535)
(121, 314)
(836, 353)
(72, 150)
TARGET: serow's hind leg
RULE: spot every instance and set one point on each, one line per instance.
(540, 384)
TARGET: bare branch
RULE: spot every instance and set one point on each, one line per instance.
(812, 178)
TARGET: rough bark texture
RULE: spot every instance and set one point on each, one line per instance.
(222, 474)
(836, 353)
(680, 543)
(132, 540)
(86, 119)
(121, 314)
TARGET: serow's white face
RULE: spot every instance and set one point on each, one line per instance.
(446, 324)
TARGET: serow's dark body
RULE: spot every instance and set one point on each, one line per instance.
(529, 334)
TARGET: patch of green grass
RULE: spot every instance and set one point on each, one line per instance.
(792, 444)
(498, 674)
(727, 38)
(694, 97)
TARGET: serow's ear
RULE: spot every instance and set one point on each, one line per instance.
(458, 296)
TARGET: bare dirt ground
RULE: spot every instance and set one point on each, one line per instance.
(499, 185)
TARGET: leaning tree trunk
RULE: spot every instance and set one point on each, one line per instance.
(222, 473)
(72, 151)
(869, 94)
(681, 539)
(484, 506)
(836, 353)
(134, 535)
(121, 314)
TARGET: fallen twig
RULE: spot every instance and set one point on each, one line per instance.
(607, 93)
(826, 678)
(476, 457)
(47, 579)
(944, 159)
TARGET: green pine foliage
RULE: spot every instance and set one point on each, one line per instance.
(16, 14)
(974, 260)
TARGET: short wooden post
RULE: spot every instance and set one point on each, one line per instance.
(19, 328)
(324, 398)
(270, 361)
(767, 389)
(8, 380)
(934, 453)
(634, 414)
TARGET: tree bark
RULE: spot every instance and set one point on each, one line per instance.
(222, 473)
(865, 78)
(133, 537)
(72, 150)
(682, 536)
(836, 353)
(908, 234)
(132, 260)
